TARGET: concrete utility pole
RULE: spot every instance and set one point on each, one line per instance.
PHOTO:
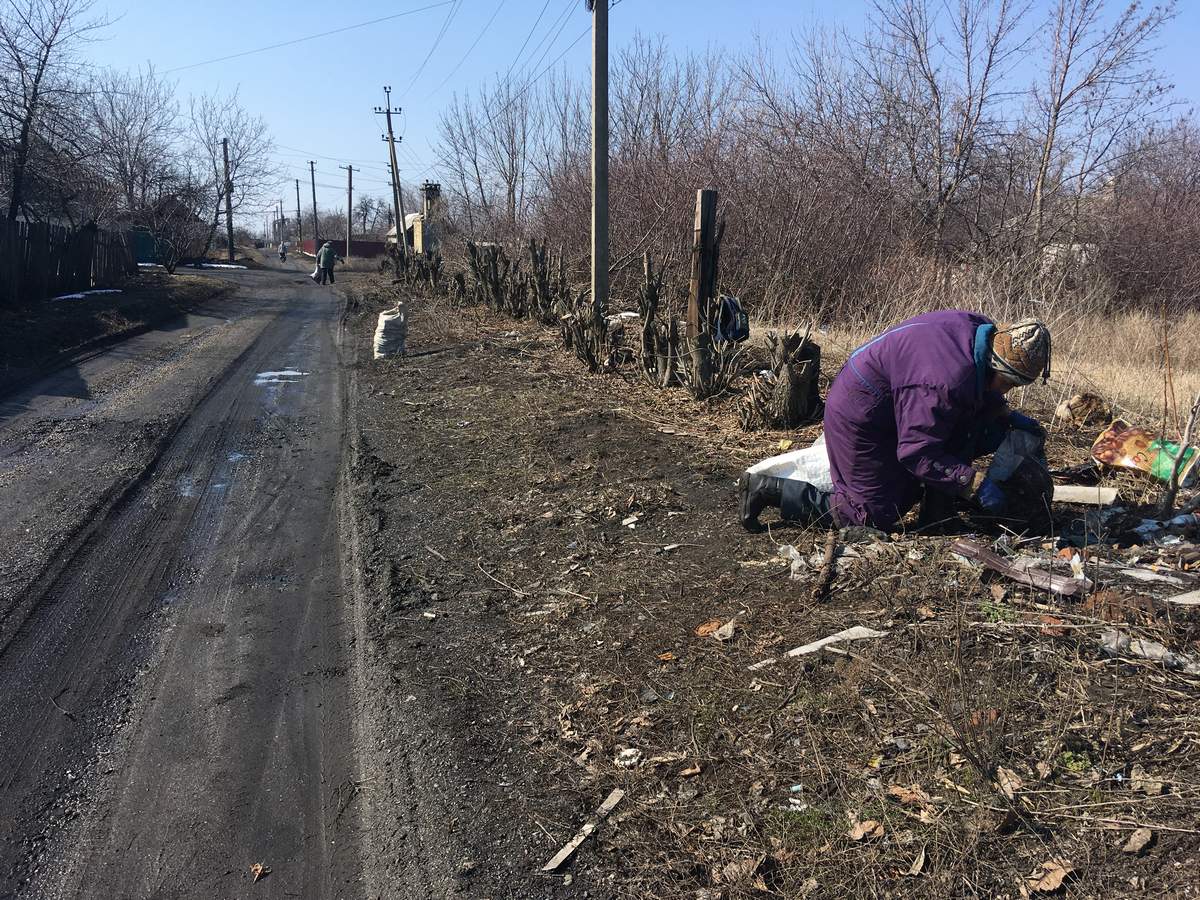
(299, 219)
(312, 171)
(397, 194)
(349, 204)
(599, 158)
(228, 198)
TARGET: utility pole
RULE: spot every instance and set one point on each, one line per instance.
(349, 204)
(228, 198)
(299, 220)
(599, 159)
(312, 171)
(397, 194)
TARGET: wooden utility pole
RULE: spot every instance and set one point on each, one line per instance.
(312, 171)
(228, 198)
(699, 317)
(299, 220)
(397, 194)
(599, 159)
(349, 204)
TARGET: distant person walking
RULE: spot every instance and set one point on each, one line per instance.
(326, 257)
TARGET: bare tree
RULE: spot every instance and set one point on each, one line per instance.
(39, 61)
(1100, 84)
(133, 116)
(252, 171)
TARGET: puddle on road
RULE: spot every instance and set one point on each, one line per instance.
(283, 376)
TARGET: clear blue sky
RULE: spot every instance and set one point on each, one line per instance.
(318, 95)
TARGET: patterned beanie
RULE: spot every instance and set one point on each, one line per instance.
(1021, 351)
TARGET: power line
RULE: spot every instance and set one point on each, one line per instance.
(561, 20)
(436, 41)
(550, 46)
(525, 44)
(311, 37)
(474, 44)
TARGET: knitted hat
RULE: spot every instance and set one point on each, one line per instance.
(1021, 351)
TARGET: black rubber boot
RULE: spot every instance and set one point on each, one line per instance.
(938, 516)
(756, 493)
(803, 503)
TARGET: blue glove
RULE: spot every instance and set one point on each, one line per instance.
(991, 496)
(1022, 422)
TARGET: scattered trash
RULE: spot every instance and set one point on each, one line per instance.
(1049, 876)
(391, 332)
(630, 521)
(1138, 841)
(1117, 643)
(258, 871)
(1126, 447)
(429, 615)
(791, 555)
(690, 772)
(1083, 409)
(1084, 494)
(1191, 598)
(1016, 447)
(628, 758)
(1058, 584)
(725, 632)
(588, 827)
(857, 633)
(704, 629)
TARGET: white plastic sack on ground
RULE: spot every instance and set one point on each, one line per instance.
(391, 332)
(809, 464)
(316, 273)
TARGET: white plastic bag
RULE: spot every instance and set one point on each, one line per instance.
(809, 464)
(391, 332)
(316, 274)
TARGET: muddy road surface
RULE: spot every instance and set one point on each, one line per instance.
(174, 655)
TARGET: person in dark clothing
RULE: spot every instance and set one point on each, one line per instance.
(326, 257)
(906, 416)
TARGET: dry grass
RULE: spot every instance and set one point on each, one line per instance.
(1119, 357)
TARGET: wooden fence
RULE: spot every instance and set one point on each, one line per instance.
(38, 260)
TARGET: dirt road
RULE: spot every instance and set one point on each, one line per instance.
(174, 661)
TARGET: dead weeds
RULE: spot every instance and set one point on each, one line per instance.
(575, 536)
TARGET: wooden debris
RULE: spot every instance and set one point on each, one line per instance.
(1058, 584)
(589, 826)
(1088, 495)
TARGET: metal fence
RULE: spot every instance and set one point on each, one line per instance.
(39, 260)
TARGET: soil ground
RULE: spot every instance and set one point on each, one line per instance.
(543, 554)
(36, 338)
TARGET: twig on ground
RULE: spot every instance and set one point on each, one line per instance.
(508, 587)
(828, 569)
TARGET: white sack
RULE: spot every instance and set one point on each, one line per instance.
(809, 464)
(391, 332)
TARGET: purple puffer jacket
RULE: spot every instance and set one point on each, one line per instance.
(898, 402)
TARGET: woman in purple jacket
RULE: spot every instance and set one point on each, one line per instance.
(905, 417)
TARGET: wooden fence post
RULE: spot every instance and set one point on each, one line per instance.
(700, 299)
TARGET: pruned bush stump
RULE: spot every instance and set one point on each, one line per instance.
(788, 395)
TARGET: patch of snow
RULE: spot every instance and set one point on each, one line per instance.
(284, 376)
(220, 266)
(149, 266)
(82, 294)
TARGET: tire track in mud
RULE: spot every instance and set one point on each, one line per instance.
(183, 685)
